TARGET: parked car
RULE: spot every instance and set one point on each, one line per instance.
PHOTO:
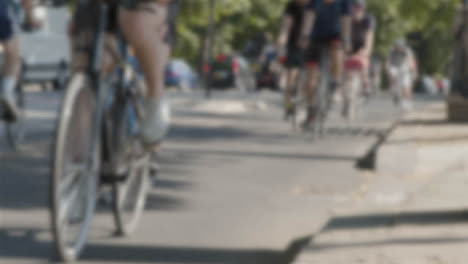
(231, 72)
(179, 74)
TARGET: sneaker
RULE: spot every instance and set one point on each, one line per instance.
(156, 121)
(8, 99)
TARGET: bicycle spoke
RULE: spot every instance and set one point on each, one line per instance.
(67, 203)
(72, 172)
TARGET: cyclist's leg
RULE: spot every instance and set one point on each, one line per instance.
(293, 64)
(12, 64)
(313, 60)
(407, 91)
(144, 29)
(365, 76)
(337, 60)
(291, 73)
(291, 78)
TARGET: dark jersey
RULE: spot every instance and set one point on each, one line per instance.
(359, 31)
(296, 12)
(328, 17)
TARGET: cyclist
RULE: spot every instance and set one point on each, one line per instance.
(149, 28)
(402, 70)
(362, 38)
(327, 24)
(9, 41)
(289, 36)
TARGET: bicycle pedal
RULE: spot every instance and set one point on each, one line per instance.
(113, 174)
(112, 178)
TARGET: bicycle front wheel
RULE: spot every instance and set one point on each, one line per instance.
(75, 167)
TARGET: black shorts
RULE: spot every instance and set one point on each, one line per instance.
(317, 45)
(87, 13)
(294, 58)
(86, 16)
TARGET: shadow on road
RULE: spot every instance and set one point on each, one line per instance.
(194, 133)
(24, 183)
(253, 117)
(375, 221)
(25, 244)
(426, 123)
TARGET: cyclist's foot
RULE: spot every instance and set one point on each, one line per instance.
(8, 99)
(310, 118)
(289, 110)
(157, 120)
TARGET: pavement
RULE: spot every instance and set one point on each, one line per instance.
(237, 184)
(415, 214)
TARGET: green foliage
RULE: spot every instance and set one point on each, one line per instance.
(236, 21)
(239, 20)
(430, 20)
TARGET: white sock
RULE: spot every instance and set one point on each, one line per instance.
(8, 84)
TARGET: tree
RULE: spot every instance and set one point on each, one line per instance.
(432, 21)
(236, 21)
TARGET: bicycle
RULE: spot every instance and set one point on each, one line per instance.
(322, 94)
(97, 143)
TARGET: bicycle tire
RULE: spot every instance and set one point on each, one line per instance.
(129, 196)
(79, 185)
(15, 130)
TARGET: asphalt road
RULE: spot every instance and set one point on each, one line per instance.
(237, 185)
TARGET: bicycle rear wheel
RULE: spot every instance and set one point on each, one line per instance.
(15, 130)
(129, 195)
(75, 169)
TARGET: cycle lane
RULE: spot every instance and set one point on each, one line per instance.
(234, 188)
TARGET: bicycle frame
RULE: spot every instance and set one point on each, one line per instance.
(98, 81)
